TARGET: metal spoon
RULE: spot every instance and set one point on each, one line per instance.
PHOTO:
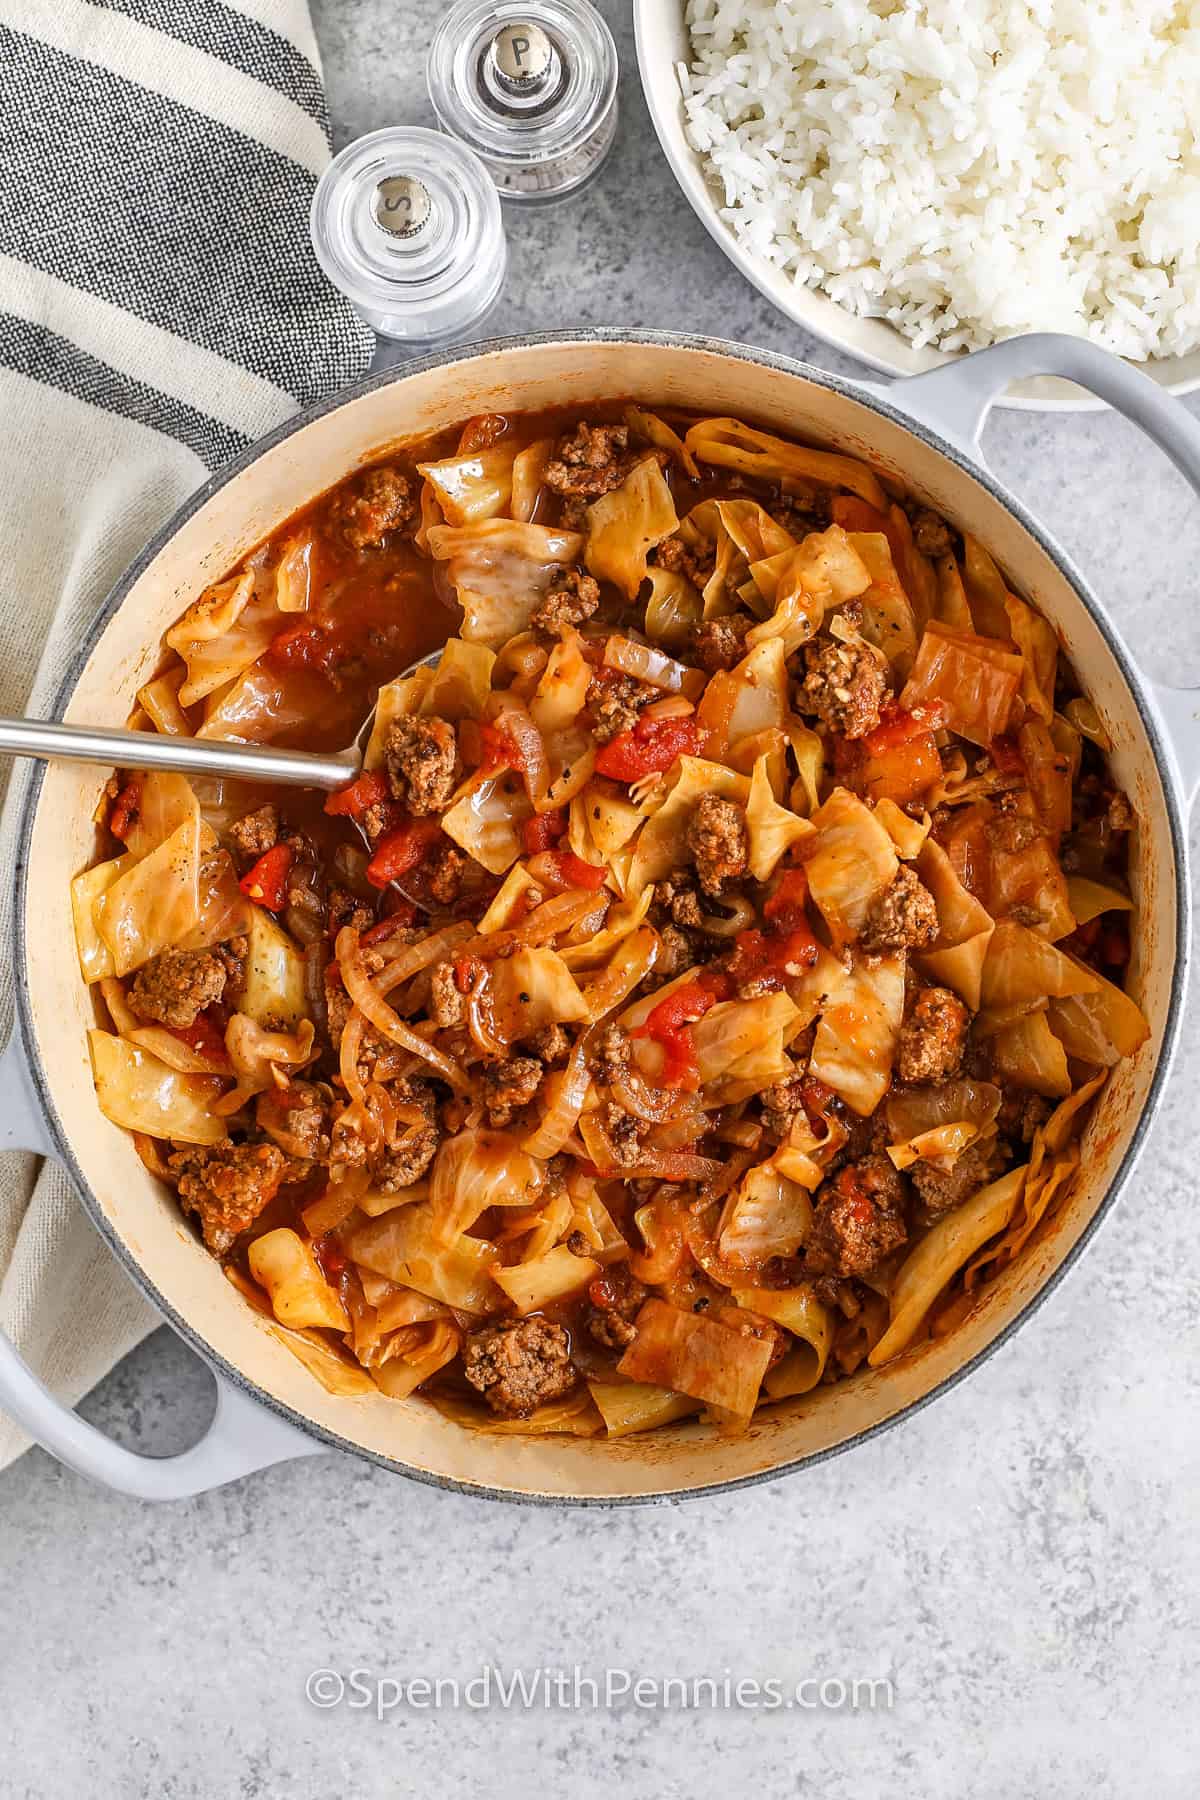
(48, 741)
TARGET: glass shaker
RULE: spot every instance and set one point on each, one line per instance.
(532, 89)
(406, 223)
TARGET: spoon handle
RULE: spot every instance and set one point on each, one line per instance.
(51, 742)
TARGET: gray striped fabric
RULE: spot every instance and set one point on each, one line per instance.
(160, 308)
(184, 219)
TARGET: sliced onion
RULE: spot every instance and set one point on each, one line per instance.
(729, 924)
(1087, 721)
(653, 1105)
(335, 1204)
(554, 916)
(348, 1052)
(378, 1013)
(415, 957)
(675, 1165)
(645, 663)
(535, 769)
(563, 1094)
(480, 1022)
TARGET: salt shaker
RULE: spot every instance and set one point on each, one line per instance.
(531, 88)
(406, 223)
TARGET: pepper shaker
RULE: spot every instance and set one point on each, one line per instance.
(406, 223)
(531, 88)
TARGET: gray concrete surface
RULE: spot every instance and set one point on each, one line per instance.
(1020, 1562)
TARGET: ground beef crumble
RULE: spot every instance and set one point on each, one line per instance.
(550, 1044)
(255, 834)
(903, 918)
(297, 1119)
(589, 461)
(380, 502)
(508, 1086)
(931, 534)
(1021, 1114)
(845, 686)
(721, 643)
(696, 563)
(615, 703)
(718, 838)
(447, 1004)
(176, 985)
(228, 1185)
(519, 1365)
(858, 1219)
(943, 1189)
(676, 952)
(444, 873)
(411, 1157)
(615, 1298)
(624, 1134)
(676, 899)
(421, 760)
(612, 1054)
(345, 908)
(782, 1103)
(571, 600)
(933, 1036)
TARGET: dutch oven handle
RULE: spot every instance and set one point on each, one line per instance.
(954, 401)
(243, 1435)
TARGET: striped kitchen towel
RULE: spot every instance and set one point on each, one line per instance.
(160, 308)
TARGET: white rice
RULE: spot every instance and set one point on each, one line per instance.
(965, 169)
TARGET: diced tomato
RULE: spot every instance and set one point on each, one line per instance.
(816, 1096)
(786, 906)
(543, 831)
(651, 746)
(125, 809)
(352, 801)
(204, 1036)
(667, 1025)
(495, 749)
(897, 761)
(266, 882)
(570, 871)
(682, 1006)
(852, 1190)
(401, 915)
(772, 955)
(305, 645)
(465, 972)
(402, 849)
(897, 727)
(1006, 755)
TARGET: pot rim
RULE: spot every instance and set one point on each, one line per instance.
(876, 400)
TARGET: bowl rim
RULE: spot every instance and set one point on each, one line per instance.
(808, 308)
(876, 401)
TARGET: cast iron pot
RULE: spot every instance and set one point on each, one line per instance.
(269, 1406)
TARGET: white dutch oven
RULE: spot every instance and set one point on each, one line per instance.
(270, 1407)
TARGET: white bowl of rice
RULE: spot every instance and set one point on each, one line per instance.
(913, 179)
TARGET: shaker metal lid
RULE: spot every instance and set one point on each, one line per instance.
(521, 53)
(402, 205)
